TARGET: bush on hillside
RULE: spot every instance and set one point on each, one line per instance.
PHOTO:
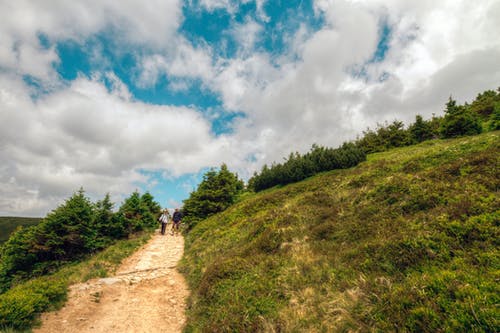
(21, 305)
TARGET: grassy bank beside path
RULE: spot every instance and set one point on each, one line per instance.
(407, 241)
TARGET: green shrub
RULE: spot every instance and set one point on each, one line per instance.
(21, 305)
(423, 319)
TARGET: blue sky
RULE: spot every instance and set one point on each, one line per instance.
(118, 96)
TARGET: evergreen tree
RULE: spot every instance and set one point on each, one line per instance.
(65, 234)
(384, 137)
(17, 257)
(72, 223)
(217, 191)
(131, 212)
(459, 121)
(138, 212)
(394, 135)
(484, 104)
(148, 200)
(420, 130)
(107, 223)
(150, 209)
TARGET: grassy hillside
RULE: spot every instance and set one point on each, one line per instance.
(406, 241)
(8, 224)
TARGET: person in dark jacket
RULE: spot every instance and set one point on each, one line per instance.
(176, 221)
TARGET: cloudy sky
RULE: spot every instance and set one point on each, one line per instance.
(115, 96)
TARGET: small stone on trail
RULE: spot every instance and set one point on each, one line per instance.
(109, 281)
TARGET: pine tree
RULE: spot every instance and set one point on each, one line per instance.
(217, 191)
(131, 212)
(148, 200)
(459, 121)
(420, 130)
(65, 234)
(106, 222)
(73, 224)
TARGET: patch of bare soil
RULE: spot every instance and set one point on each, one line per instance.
(147, 294)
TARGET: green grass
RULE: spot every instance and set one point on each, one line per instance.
(21, 305)
(8, 224)
(406, 241)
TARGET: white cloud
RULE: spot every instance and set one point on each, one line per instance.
(246, 34)
(183, 61)
(88, 136)
(212, 5)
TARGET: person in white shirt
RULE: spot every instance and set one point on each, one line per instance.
(164, 219)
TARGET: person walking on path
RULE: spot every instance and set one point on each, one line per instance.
(176, 218)
(164, 219)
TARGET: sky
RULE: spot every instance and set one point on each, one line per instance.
(118, 96)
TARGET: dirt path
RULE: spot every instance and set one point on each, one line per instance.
(147, 294)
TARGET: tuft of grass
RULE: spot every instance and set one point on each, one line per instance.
(406, 241)
(21, 305)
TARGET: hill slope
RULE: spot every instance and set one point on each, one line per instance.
(8, 224)
(406, 241)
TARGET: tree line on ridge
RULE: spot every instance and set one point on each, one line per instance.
(219, 190)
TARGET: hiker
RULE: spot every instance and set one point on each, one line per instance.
(176, 221)
(164, 218)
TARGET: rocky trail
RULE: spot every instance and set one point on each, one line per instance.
(146, 294)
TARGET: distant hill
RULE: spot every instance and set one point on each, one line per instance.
(8, 224)
(407, 241)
